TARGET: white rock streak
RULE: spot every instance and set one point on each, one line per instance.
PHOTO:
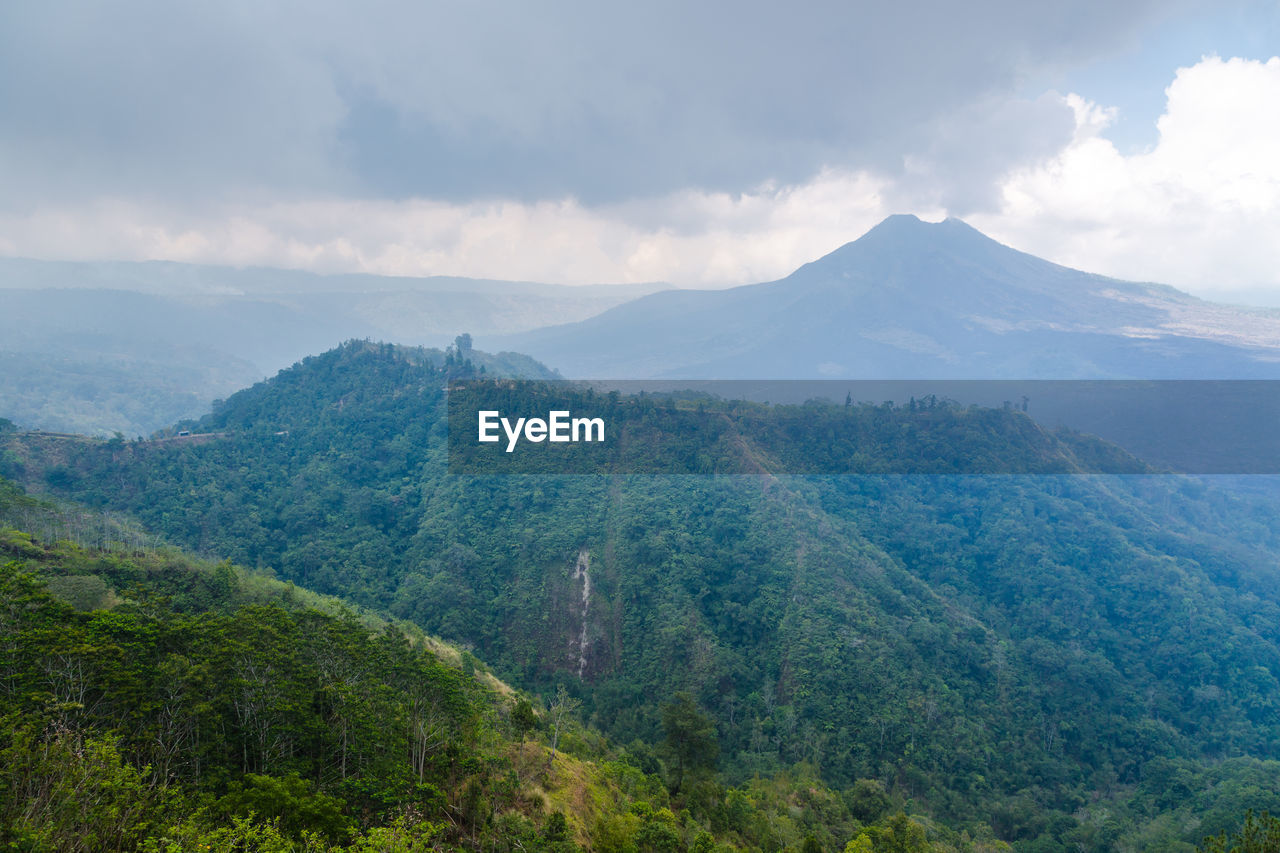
(582, 571)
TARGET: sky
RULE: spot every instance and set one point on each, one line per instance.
(705, 144)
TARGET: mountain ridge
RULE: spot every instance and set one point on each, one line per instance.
(911, 299)
(141, 345)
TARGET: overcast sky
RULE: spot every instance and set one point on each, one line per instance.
(705, 144)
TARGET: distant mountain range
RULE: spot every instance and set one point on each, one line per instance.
(272, 317)
(912, 299)
(100, 347)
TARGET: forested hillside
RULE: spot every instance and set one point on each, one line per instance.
(1069, 661)
(153, 701)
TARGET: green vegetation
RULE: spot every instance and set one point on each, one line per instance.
(195, 706)
(1061, 662)
(100, 396)
(137, 396)
(1256, 835)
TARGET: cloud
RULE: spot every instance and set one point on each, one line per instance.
(960, 166)
(215, 102)
(688, 237)
(705, 144)
(1200, 209)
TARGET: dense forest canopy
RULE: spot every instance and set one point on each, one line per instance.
(1057, 660)
(155, 701)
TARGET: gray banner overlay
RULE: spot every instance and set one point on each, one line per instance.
(865, 427)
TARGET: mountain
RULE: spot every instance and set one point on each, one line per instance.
(422, 311)
(911, 299)
(133, 347)
(1063, 661)
(153, 700)
(156, 701)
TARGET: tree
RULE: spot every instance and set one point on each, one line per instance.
(690, 736)
(868, 800)
(562, 707)
(523, 719)
(1256, 835)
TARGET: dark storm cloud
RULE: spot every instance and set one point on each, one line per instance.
(963, 152)
(464, 100)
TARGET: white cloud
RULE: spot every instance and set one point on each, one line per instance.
(689, 237)
(1199, 210)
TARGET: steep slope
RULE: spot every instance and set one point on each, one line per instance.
(914, 299)
(152, 700)
(1020, 651)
